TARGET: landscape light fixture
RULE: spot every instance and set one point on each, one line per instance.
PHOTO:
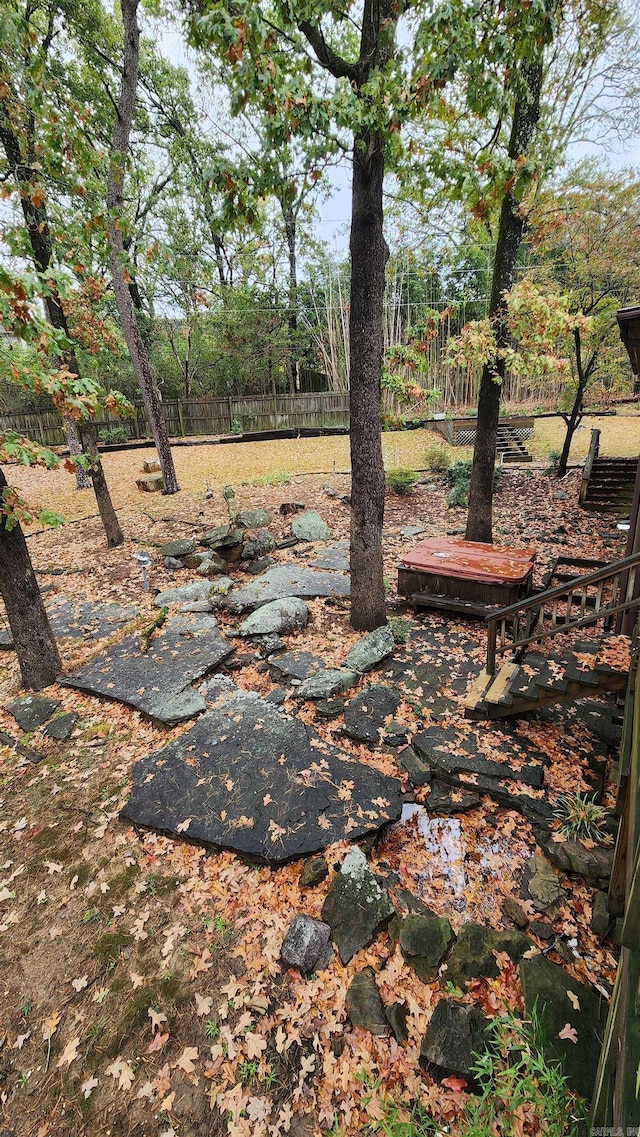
(143, 559)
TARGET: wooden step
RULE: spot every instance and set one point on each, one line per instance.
(474, 697)
(450, 604)
(498, 692)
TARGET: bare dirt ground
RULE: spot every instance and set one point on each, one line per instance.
(142, 992)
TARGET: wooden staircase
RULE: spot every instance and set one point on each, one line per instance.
(607, 483)
(510, 446)
(532, 679)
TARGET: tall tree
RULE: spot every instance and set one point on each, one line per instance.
(526, 113)
(118, 256)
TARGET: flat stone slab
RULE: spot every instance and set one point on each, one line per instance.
(248, 777)
(78, 620)
(288, 580)
(61, 727)
(30, 711)
(157, 682)
(197, 591)
(325, 684)
(366, 715)
(370, 650)
(334, 557)
(296, 664)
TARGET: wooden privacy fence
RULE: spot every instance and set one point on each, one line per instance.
(185, 417)
(616, 1100)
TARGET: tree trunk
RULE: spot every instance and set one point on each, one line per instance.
(89, 436)
(525, 118)
(369, 254)
(573, 420)
(36, 649)
(83, 481)
(290, 230)
(118, 259)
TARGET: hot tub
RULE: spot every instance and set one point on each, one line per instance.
(475, 574)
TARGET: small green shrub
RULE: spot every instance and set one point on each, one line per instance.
(401, 481)
(554, 457)
(400, 629)
(514, 1076)
(459, 478)
(113, 434)
(436, 457)
(236, 426)
(389, 421)
(580, 817)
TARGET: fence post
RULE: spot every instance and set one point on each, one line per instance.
(180, 419)
(230, 409)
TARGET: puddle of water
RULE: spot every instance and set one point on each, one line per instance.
(452, 868)
(443, 840)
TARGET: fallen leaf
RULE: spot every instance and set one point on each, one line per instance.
(89, 1086)
(569, 1033)
(156, 1017)
(70, 1053)
(187, 1058)
(574, 1000)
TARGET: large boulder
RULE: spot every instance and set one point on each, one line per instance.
(424, 942)
(253, 519)
(278, 617)
(363, 1004)
(562, 1002)
(325, 684)
(309, 526)
(455, 1036)
(356, 907)
(473, 956)
(370, 650)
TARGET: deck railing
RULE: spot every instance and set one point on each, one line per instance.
(585, 600)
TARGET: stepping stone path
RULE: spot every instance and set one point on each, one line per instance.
(310, 527)
(31, 711)
(72, 619)
(248, 777)
(288, 580)
(366, 715)
(356, 907)
(157, 682)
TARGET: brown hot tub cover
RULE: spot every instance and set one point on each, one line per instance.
(470, 560)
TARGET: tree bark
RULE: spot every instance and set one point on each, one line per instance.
(36, 649)
(510, 231)
(89, 436)
(291, 234)
(118, 259)
(83, 481)
(369, 254)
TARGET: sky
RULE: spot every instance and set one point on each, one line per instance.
(332, 223)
